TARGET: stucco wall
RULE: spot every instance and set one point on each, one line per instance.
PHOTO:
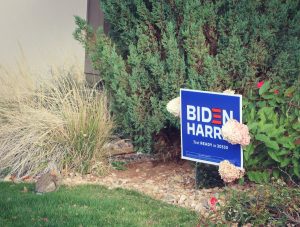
(42, 28)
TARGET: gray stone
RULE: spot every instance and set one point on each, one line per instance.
(203, 202)
(199, 207)
(149, 181)
(182, 199)
(178, 178)
(187, 203)
(169, 198)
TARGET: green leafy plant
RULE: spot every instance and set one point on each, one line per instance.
(272, 115)
(270, 204)
(259, 177)
(119, 165)
(274, 204)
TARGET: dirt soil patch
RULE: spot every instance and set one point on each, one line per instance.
(171, 182)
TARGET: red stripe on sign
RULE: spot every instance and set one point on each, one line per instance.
(216, 110)
(216, 122)
(217, 116)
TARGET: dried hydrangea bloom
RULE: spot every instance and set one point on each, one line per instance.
(230, 172)
(235, 132)
(229, 91)
(173, 107)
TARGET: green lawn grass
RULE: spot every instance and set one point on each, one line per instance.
(87, 205)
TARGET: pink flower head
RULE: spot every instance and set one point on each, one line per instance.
(276, 92)
(213, 201)
(260, 84)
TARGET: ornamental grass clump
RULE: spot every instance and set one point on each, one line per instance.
(51, 119)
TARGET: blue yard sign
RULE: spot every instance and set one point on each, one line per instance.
(202, 116)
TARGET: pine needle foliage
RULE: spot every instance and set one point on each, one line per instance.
(154, 48)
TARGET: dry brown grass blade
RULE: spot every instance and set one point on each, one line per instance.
(56, 120)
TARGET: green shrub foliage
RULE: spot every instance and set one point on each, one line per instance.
(272, 115)
(273, 204)
(154, 48)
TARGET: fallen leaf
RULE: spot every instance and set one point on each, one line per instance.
(26, 178)
(12, 178)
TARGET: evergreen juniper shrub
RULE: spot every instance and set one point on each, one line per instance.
(154, 48)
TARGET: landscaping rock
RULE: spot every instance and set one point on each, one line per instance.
(198, 207)
(169, 182)
(182, 199)
(119, 146)
(169, 198)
